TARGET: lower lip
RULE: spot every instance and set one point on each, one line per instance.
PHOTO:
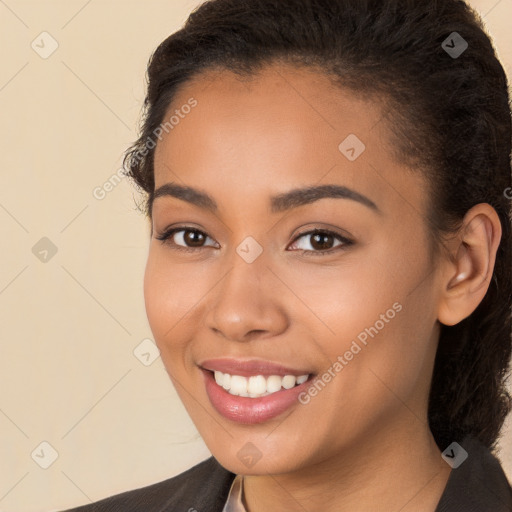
(251, 410)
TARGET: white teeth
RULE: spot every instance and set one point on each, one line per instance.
(257, 385)
(302, 378)
(226, 381)
(274, 383)
(288, 381)
(238, 385)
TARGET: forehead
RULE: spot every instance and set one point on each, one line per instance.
(284, 106)
(279, 94)
(283, 126)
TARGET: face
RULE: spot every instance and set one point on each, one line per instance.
(249, 281)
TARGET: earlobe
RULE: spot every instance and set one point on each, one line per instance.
(469, 272)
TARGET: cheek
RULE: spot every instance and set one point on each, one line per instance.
(350, 297)
(380, 314)
(170, 294)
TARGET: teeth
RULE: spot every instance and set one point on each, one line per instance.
(226, 381)
(274, 383)
(257, 385)
(288, 381)
(302, 378)
(238, 385)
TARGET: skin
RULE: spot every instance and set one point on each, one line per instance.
(363, 443)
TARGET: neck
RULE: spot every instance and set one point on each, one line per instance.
(388, 471)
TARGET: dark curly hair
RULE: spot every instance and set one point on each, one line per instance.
(449, 117)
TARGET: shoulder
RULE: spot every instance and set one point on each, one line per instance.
(203, 488)
(479, 484)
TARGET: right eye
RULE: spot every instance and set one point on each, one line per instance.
(177, 238)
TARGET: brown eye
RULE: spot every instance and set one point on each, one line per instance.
(321, 241)
(183, 238)
(193, 238)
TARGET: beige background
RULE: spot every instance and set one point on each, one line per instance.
(70, 325)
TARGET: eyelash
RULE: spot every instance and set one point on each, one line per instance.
(165, 239)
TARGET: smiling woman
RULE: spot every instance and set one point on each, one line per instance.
(328, 278)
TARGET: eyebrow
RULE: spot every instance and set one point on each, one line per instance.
(279, 203)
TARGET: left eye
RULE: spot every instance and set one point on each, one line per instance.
(321, 241)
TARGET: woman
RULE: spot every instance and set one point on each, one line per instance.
(328, 282)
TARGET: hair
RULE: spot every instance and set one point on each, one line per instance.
(448, 116)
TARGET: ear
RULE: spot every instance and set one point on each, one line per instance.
(468, 271)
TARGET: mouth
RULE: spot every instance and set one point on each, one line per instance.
(257, 386)
(252, 392)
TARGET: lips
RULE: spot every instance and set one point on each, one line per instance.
(249, 368)
(252, 408)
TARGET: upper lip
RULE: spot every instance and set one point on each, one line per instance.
(249, 367)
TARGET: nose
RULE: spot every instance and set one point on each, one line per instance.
(245, 305)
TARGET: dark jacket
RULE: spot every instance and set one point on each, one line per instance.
(477, 485)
